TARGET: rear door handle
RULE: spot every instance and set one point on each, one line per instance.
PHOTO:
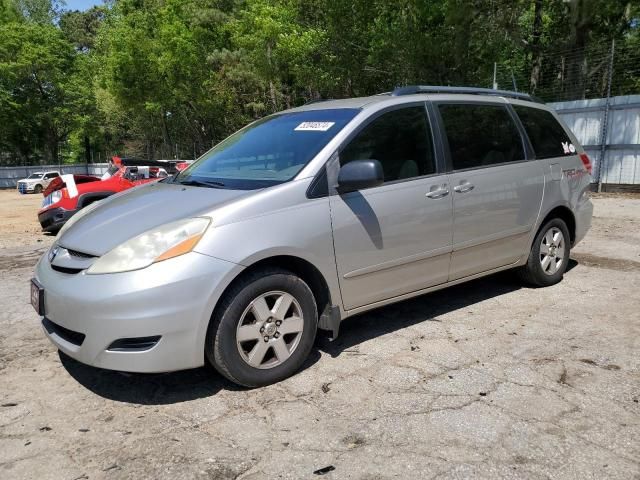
(464, 187)
(438, 192)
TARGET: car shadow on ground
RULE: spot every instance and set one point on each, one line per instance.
(425, 308)
(154, 388)
(174, 387)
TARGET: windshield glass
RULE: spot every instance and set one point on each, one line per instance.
(35, 175)
(110, 172)
(270, 151)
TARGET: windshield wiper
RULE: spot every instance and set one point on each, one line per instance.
(201, 183)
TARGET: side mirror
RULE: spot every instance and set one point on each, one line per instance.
(360, 174)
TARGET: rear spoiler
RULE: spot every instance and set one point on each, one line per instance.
(60, 182)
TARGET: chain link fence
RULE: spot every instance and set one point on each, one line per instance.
(597, 92)
(600, 71)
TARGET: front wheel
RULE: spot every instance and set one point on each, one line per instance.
(549, 255)
(263, 329)
(37, 189)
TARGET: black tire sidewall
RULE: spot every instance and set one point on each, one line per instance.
(227, 358)
(37, 189)
(534, 265)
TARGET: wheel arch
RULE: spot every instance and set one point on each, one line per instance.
(304, 269)
(90, 197)
(565, 214)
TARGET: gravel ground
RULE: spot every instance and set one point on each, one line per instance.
(482, 380)
(19, 220)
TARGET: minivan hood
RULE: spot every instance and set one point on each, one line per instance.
(123, 216)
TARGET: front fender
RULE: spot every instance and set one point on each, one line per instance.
(303, 231)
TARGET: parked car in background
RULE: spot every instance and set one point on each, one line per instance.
(310, 216)
(36, 182)
(183, 164)
(178, 164)
(68, 194)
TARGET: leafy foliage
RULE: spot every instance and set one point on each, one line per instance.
(168, 78)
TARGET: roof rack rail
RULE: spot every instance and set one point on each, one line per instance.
(413, 89)
(317, 100)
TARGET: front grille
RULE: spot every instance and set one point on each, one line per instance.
(76, 338)
(76, 253)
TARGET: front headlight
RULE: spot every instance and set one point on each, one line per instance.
(155, 245)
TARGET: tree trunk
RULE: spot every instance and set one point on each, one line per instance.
(165, 132)
(581, 22)
(272, 89)
(87, 149)
(536, 53)
(51, 148)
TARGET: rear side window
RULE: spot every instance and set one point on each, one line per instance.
(480, 135)
(400, 140)
(547, 136)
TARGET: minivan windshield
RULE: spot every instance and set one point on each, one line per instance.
(267, 152)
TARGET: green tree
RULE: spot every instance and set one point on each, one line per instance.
(35, 61)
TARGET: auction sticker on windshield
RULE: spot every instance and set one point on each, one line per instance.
(314, 126)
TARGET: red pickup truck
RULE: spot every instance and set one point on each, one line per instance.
(68, 194)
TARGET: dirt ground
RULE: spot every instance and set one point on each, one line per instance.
(19, 220)
(483, 380)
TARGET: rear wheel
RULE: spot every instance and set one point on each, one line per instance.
(264, 328)
(549, 255)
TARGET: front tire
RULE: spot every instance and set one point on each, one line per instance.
(37, 189)
(549, 255)
(263, 328)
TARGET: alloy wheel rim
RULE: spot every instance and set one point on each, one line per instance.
(552, 251)
(269, 330)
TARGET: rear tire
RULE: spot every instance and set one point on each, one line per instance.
(263, 329)
(549, 255)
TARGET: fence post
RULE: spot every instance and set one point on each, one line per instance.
(605, 120)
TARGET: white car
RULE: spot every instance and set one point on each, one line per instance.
(36, 182)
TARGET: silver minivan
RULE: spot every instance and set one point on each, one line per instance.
(307, 217)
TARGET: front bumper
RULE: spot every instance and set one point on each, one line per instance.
(583, 215)
(172, 299)
(52, 219)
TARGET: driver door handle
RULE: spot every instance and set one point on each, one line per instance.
(438, 193)
(464, 187)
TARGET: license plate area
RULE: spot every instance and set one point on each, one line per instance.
(37, 297)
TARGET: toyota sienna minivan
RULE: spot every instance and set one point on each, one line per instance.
(307, 217)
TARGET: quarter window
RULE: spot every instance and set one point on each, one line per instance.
(480, 135)
(400, 140)
(546, 134)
